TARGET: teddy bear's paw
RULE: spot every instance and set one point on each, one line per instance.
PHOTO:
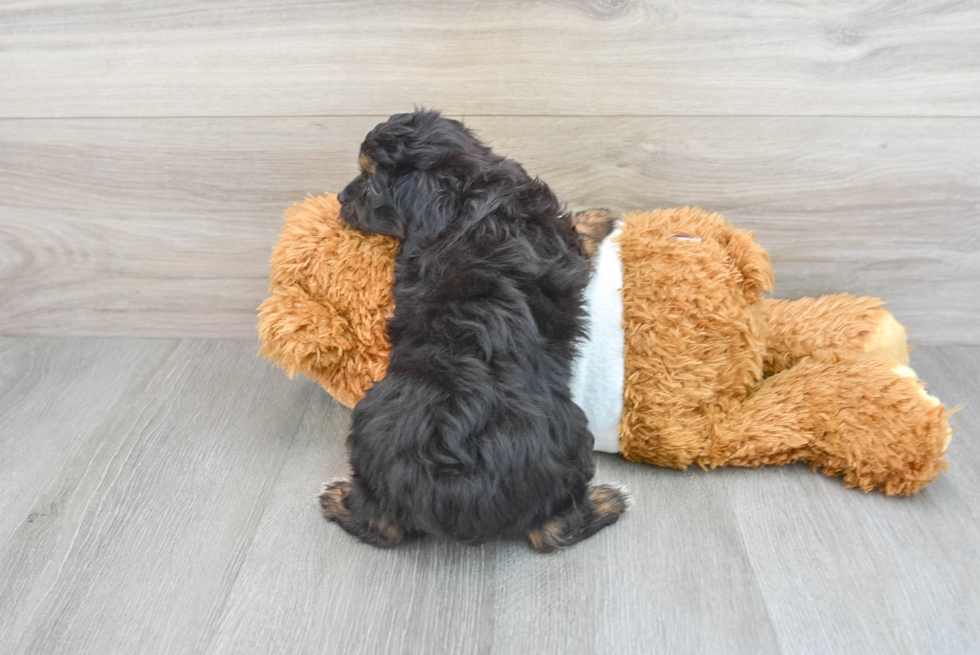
(907, 435)
(888, 341)
(908, 373)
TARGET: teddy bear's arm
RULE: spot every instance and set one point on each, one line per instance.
(841, 323)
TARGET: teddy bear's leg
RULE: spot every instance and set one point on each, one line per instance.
(842, 323)
(598, 507)
(864, 420)
(344, 503)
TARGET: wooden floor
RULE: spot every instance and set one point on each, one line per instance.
(158, 496)
(148, 148)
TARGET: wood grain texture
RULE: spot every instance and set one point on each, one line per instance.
(40, 435)
(879, 207)
(852, 572)
(153, 227)
(163, 227)
(182, 518)
(130, 540)
(574, 57)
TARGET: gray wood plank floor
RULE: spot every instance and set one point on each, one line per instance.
(63, 58)
(158, 496)
(149, 147)
(163, 227)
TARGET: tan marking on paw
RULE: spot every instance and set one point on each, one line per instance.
(609, 499)
(547, 538)
(332, 500)
(389, 531)
(535, 537)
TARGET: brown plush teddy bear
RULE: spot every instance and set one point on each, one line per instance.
(686, 362)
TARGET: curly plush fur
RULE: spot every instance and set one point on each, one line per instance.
(716, 375)
(330, 296)
(472, 433)
(331, 300)
(719, 377)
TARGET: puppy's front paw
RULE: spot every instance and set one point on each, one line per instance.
(332, 500)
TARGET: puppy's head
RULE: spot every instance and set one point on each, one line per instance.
(413, 169)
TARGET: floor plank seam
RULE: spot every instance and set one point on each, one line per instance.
(217, 614)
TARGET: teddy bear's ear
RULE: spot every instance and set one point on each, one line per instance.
(752, 260)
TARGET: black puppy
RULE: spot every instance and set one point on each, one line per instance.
(472, 433)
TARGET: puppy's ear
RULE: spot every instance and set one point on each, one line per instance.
(387, 220)
(382, 216)
(424, 202)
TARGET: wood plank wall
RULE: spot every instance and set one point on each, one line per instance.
(148, 149)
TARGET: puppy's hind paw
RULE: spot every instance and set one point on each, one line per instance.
(332, 498)
(610, 500)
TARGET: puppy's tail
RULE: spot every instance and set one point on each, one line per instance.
(601, 506)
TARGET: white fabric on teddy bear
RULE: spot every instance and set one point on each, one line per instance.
(599, 369)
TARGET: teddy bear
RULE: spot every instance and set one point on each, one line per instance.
(686, 363)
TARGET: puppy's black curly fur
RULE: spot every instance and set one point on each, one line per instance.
(472, 434)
